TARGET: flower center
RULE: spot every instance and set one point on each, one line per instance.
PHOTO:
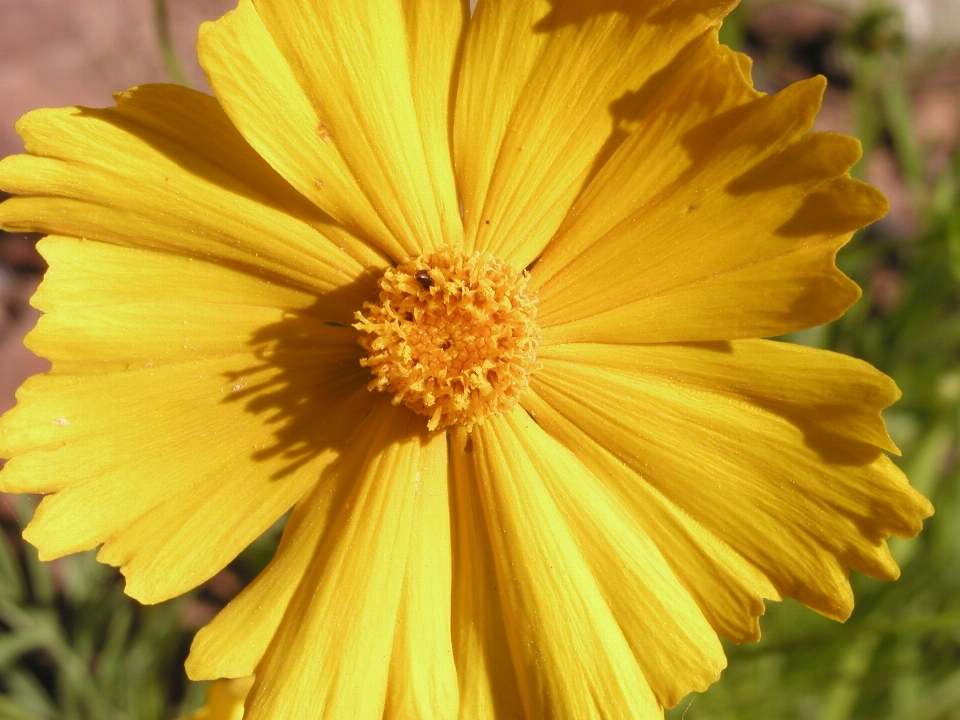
(453, 337)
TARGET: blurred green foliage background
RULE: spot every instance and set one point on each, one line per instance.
(74, 647)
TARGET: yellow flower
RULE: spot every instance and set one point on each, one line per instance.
(514, 494)
(224, 700)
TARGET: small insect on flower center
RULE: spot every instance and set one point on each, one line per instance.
(453, 337)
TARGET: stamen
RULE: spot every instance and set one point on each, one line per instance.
(453, 337)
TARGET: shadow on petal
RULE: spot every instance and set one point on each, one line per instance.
(826, 427)
(578, 12)
(309, 384)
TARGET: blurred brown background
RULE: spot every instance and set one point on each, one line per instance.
(55, 53)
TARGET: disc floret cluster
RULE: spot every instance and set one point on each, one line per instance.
(453, 337)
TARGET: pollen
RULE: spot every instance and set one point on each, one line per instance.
(453, 337)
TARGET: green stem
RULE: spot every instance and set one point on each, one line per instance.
(867, 123)
(170, 60)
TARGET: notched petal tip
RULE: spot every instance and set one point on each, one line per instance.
(137, 586)
(46, 539)
(815, 158)
(812, 89)
(922, 508)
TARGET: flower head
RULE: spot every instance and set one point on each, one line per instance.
(481, 299)
(453, 337)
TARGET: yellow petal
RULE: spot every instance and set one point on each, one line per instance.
(436, 30)
(824, 393)
(800, 501)
(147, 462)
(352, 63)
(703, 82)
(110, 308)
(331, 654)
(91, 274)
(672, 641)
(539, 94)
(179, 420)
(255, 614)
(498, 55)
(716, 219)
(488, 681)
(259, 92)
(423, 677)
(166, 171)
(545, 582)
(728, 589)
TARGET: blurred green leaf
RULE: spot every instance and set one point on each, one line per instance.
(734, 27)
(853, 667)
(10, 710)
(12, 585)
